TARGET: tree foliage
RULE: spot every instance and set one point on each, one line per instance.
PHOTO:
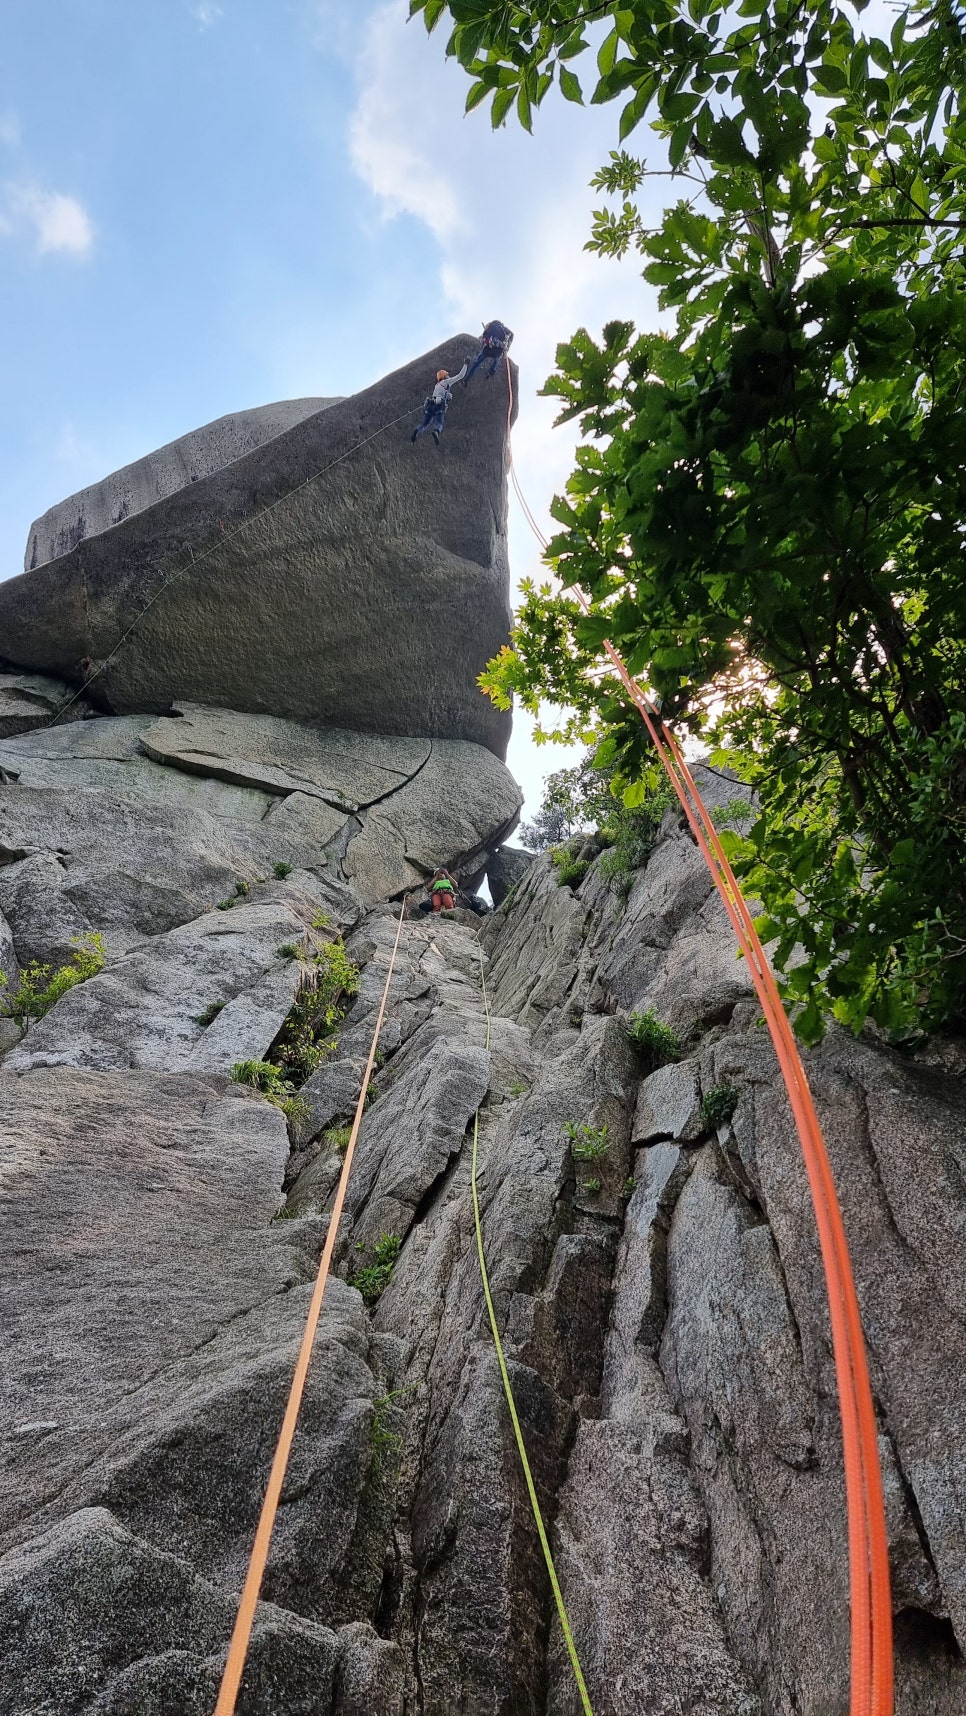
(768, 508)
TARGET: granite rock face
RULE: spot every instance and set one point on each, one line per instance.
(506, 868)
(140, 485)
(132, 826)
(30, 700)
(661, 1304)
(334, 572)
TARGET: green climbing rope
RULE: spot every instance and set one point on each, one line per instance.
(511, 1403)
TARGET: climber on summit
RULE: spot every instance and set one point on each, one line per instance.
(497, 340)
(437, 403)
(442, 888)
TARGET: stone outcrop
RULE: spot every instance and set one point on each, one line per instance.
(332, 573)
(298, 741)
(661, 1301)
(140, 485)
(132, 826)
(506, 868)
(30, 700)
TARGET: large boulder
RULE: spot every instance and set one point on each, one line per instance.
(33, 700)
(104, 821)
(137, 486)
(334, 572)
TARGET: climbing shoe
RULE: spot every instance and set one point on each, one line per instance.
(413, 436)
(436, 436)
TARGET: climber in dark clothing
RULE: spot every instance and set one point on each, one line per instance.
(497, 340)
(437, 403)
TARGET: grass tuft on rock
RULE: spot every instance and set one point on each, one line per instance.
(654, 1041)
(373, 1279)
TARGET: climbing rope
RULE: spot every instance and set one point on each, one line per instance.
(241, 1635)
(508, 1391)
(871, 1604)
(219, 542)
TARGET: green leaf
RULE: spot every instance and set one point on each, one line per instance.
(633, 113)
(607, 53)
(570, 85)
(502, 102)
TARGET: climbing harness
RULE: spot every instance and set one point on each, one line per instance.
(508, 1391)
(871, 1605)
(224, 536)
(241, 1635)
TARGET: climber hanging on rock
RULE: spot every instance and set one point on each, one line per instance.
(442, 890)
(437, 403)
(497, 340)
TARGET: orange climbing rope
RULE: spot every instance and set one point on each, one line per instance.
(241, 1636)
(871, 1605)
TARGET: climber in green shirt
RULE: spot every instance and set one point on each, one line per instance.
(442, 888)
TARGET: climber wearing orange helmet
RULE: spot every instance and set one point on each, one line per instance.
(437, 403)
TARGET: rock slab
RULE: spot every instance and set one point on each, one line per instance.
(333, 573)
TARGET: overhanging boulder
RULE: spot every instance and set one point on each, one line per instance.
(333, 573)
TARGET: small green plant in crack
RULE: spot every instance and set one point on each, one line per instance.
(506, 904)
(719, 1106)
(570, 869)
(516, 1089)
(241, 889)
(629, 1187)
(226, 905)
(207, 1014)
(260, 1075)
(373, 1279)
(271, 1082)
(386, 1437)
(281, 870)
(591, 1186)
(654, 1041)
(337, 1138)
(296, 1109)
(308, 1036)
(321, 921)
(40, 987)
(587, 1143)
(289, 950)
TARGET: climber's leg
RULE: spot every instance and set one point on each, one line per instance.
(480, 358)
(424, 425)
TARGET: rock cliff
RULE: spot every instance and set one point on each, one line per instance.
(663, 1309)
(650, 1241)
(332, 573)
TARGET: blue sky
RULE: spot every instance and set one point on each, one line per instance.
(211, 204)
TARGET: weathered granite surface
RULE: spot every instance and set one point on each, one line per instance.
(132, 826)
(333, 573)
(139, 485)
(32, 699)
(661, 1303)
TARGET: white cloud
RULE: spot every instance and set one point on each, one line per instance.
(207, 12)
(506, 218)
(55, 222)
(9, 130)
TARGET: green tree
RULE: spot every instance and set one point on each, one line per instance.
(573, 800)
(767, 510)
